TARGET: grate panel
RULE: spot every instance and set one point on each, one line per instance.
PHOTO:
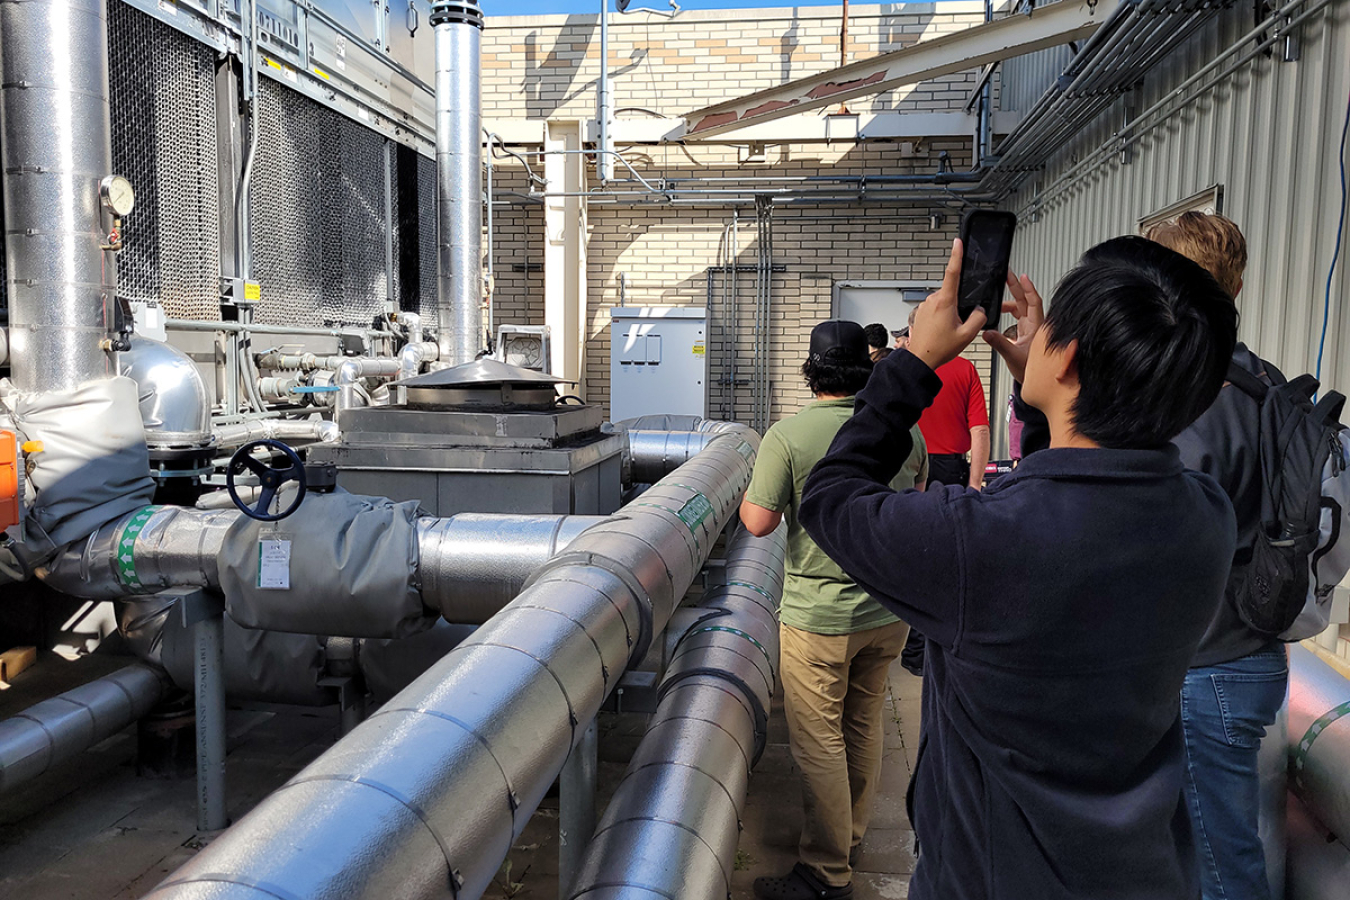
(319, 215)
(426, 213)
(162, 107)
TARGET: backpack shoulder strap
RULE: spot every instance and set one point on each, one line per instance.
(1246, 382)
(1329, 407)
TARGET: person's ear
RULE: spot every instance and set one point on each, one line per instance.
(1066, 364)
(1237, 290)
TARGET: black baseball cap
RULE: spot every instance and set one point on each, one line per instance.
(901, 332)
(840, 340)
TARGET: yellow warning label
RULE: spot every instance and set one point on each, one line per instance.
(252, 291)
(698, 348)
(321, 73)
(273, 63)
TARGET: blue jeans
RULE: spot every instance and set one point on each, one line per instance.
(1225, 710)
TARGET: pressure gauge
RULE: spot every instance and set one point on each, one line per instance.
(117, 194)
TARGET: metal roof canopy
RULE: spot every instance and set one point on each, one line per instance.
(1014, 35)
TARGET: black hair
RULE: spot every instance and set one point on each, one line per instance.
(832, 376)
(1155, 334)
(877, 335)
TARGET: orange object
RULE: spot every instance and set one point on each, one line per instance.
(9, 480)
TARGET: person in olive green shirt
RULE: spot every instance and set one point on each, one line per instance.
(837, 643)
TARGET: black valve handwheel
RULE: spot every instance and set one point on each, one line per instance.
(270, 479)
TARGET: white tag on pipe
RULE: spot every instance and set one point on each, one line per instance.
(274, 565)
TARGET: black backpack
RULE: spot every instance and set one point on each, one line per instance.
(1300, 448)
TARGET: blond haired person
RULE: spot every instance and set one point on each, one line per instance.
(1237, 682)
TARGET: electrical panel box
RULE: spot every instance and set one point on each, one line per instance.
(658, 361)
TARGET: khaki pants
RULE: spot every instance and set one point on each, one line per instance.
(834, 689)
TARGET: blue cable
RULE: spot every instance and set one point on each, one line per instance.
(1340, 228)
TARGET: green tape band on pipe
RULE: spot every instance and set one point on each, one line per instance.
(126, 546)
(738, 633)
(1315, 729)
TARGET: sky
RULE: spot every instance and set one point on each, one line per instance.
(551, 7)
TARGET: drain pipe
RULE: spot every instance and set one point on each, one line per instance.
(55, 147)
(58, 729)
(426, 796)
(672, 827)
(457, 27)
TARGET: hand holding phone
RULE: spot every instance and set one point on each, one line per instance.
(939, 335)
(986, 238)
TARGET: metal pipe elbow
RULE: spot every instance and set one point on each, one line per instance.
(174, 404)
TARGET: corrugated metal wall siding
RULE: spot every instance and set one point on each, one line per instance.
(1268, 134)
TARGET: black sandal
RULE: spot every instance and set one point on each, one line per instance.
(800, 884)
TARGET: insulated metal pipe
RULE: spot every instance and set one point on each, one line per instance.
(175, 407)
(55, 150)
(672, 827)
(1319, 738)
(656, 453)
(241, 433)
(353, 370)
(426, 796)
(457, 27)
(471, 565)
(63, 727)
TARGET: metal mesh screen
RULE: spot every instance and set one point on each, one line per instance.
(426, 212)
(319, 216)
(164, 139)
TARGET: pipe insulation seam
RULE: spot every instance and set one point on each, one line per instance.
(57, 729)
(672, 827)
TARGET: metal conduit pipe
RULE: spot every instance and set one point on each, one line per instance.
(457, 29)
(350, 373)
(55, 148)
(241, 433)
(672, 827)
(55, 730)
(426, 796)
(413, 355)
(472, 565)
(1319, 738)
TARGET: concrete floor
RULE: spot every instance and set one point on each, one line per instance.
(94, 830)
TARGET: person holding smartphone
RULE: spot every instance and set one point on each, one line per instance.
(1063, 605)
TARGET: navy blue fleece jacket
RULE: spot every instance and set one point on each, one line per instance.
(1062, 607)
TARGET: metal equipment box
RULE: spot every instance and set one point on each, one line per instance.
(658, 361)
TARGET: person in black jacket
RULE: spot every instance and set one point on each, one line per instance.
(1063, 605)
(1237, 682)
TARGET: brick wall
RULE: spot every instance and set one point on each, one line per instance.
(539, 67)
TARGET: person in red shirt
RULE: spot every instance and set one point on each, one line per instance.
(956, 424)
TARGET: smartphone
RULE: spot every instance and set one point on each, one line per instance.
(986, 241)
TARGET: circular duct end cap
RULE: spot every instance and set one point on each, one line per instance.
(465, 12)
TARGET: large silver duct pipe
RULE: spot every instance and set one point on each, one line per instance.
(54, 151)
(425, 798)
(469, 566)
(457, 27)
(672, 827)
(1319, 738)
(175, 406)
(57, 729)
(472, 565)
